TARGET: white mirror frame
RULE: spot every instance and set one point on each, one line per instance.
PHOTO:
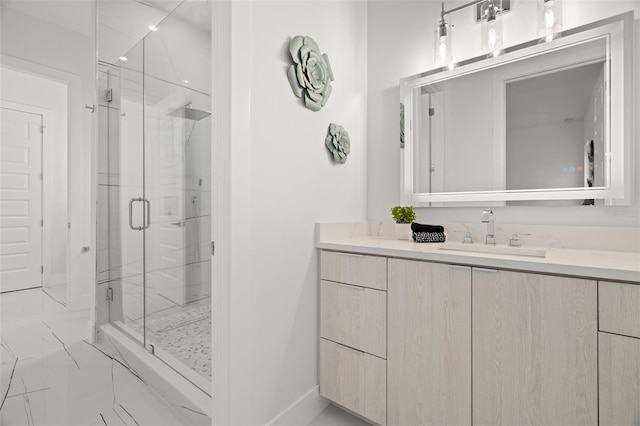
(618, 33)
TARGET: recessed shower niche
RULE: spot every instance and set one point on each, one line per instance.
(154, 185)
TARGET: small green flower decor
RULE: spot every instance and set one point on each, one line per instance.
(310, 76)
(337, 142)
(403, 214)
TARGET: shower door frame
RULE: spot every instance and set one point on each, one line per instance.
(144, 225)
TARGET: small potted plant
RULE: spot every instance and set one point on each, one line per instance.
(403, 217)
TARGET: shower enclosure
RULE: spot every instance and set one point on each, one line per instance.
(154, 220)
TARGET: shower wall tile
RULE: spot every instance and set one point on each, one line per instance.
(198, 281)
(132, 299)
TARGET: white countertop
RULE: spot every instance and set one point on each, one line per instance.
(599, 264)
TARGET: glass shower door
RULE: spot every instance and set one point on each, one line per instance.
(159, 162)
(177, 159)
(126, 219)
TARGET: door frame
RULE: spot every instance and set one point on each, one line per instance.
(77, 235)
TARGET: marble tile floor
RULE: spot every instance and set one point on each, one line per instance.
(50, 374)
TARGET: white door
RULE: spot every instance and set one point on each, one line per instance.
(20, 198)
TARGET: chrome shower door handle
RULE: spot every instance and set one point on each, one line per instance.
(147, 213)
(135, 228)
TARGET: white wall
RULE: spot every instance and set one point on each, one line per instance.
(400, 39)
(283, 182)
(58, 53)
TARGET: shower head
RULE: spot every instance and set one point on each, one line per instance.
(189, 113)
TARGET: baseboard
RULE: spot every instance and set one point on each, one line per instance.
(302, 411)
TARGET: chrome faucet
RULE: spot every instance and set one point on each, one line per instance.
(487, 217)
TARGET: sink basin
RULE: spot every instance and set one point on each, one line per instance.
(497, 249)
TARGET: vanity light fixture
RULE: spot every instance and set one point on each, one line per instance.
(549, 17)
(442, 45)
(491, 30)
(491, 27)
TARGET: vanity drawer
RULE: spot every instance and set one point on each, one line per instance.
(354, 316)
(619, 308)
(354, 380)
(357, 269)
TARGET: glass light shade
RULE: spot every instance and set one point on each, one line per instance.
(549, 17)
(442, 45)
(491, 27)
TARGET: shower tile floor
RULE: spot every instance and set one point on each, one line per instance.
(183, 331)
(50, 374)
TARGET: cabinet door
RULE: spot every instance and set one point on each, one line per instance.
(354, 316)
(619, 308)
(354, 380)
(429, 349)
(619, 360)
(357, 269)
(534, 349)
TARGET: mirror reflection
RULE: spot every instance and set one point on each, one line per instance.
(554, 132)
(532, 124)
(543, 122)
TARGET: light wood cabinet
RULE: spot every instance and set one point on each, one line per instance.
(412, 342)
(354, 380)
(357, 269)
(619, 359)
(534, 349)
(619, 308)
(354, 316)
(429, 354)
(353, 333)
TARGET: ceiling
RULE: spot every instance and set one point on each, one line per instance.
(121, 23)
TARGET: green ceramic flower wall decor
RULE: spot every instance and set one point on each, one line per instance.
(310, 76)
(338, 143)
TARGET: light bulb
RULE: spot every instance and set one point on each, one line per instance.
(491, 38)
(491, 28)
(549, 19)
(442, 44)
(442, 52)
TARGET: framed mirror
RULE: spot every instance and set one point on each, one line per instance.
(547, 121)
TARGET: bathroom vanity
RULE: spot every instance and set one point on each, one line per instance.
(411, 334)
